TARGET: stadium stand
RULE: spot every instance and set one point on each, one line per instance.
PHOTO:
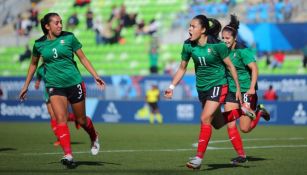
(131, 55)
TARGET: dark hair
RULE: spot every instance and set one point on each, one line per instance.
(214, 27)
(233, 26)
(204, 22)
(45, 20)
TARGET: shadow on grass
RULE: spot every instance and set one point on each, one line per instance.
(90, 163)
(243, 165)
(7, 149)
(253, 159)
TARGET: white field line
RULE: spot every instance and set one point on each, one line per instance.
(188, 149)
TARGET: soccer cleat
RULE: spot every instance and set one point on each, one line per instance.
(248, 111)
(194, 163)
(56, 143)
(264, 113)
(68, 161)
(95, 146)
(238, 160)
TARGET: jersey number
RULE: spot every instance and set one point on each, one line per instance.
(202, 61)
(55, 53)
(215, 92)
(245, 98)
(80, 90)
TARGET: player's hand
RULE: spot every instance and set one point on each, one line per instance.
(100, 83)
(168, 93)
(239, 96)
(23, 94)
(251, 91)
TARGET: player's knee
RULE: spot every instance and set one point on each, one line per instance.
(245, 129)
(205, 120)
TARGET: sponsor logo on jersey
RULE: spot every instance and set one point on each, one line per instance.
(62, 41)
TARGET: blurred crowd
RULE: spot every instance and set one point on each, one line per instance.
(270, 11)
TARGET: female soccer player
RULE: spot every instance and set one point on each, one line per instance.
(53, 123)
(245, 64)
(210, 58)
(63, 80)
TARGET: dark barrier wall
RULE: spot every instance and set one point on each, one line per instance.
(184, 112)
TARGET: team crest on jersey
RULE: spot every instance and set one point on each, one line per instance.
(62, 41)
(209, 50)
(234, 55)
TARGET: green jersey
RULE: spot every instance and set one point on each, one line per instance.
(208, 62)
(60, 67)
(240, 58)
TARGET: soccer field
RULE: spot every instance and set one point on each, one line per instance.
(27, 148)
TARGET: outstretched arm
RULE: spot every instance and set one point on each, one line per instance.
(176, 79)
(87, 64)
(31, 71)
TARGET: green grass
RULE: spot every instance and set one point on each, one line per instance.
(26, 148)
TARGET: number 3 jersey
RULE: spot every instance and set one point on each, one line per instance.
(58, 55)
(208, 62)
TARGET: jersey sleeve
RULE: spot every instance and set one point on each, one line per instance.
(222, 50)
(247, 56)
(35, 51)
(186, 52)
(75, 43)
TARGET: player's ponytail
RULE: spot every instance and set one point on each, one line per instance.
(214, 27)
(233, 26)
(45, 20)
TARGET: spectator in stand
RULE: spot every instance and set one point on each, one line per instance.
(288, 8)
(153, 55)
(278, 60)
(25, 55)
(152, 27)
(270, 94)
(72, 22)
(264, 11)
(129, 20)
(34, 15)
(251, 13)
(89, 18)
(23, 25)
(279, 7)
(140, 28)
